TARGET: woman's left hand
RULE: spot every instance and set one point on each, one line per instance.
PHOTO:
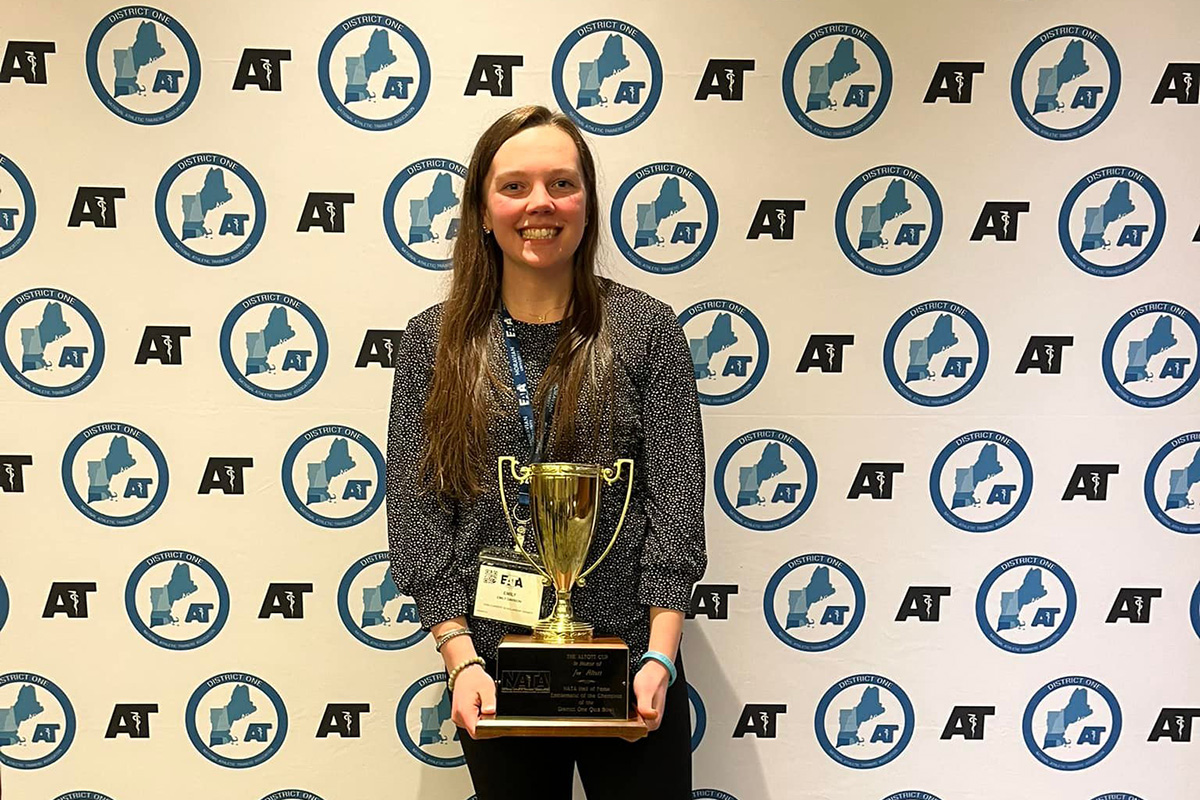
(650, 689)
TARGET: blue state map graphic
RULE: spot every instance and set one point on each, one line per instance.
(11, 717)
(801, 600)
(129, 60)
(1096, 219)
(102, 471)
(359, 69)
(1011, 603)
(649, 215)
(851, 719)
(259, 343)
(1180, 483)
(320, 473)
(1142, 350)
(163, 598)
(751, 478)
(375, 598)
(196, 206)
(966, 479)
(921, 351)
(592, 74)
(719, 337)
(34, 340)
(1052, 79)
(222, 718)
(1059, 719)
(874, 217)
(821, 78)
(432, 719)
(422, 212)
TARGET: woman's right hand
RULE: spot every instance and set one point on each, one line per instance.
(474, 695)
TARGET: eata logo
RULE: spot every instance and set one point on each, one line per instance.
(1025, 604)
(334, 476)
(18, 209)
(1072, 723)
(888, 220)
(837, 80)
(115, 474)
(607, 77)
(374, 72)
(1150, 356)
(37, 721)
(423, 723)
(177, 600)
(372, 608)
(53, 343)
(236, 720)
(1170, 484)
(729, 350)
(1112, 221)
(935, 353)
(981, 481)
(864, 721)
(274, 346)
(143, 65)
(814, 602)
(210, 209)
(422, 211)
(1065, 82)
(664, 218)
(765, 480)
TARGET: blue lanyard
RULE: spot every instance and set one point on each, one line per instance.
(516, 366)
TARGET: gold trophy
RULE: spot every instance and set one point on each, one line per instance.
(561, 680)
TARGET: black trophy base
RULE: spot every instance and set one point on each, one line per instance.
(580, 681)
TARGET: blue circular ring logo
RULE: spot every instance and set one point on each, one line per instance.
(1178, 489)
(289, 488)
(406, 739)
(1042, 693)
(1141, 372)
(700, 725)
(932, 400)
(77, 305)
(789, 76)
(981, 611)
(1110, 100)
(83, 795)
(3, 604)
(669, 169)
(30, 213)
(310, 317)
(560, 63)
(1075, 254)
(860, 602)
(176, 242)
(292, 794)
(760, 337)
(389, 205)
(843, 210)
(123, 429)
(66, 735)
(869, 680)
(356, 630)
(911, 794)
(939, 464)
(770, 435)
(711, 794)
(236, 677)
(324, 75)
(147, 632)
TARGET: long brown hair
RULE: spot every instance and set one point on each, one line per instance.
(467, 392)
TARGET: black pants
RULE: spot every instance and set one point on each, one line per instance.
(658, 766)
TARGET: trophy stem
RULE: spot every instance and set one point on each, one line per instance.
(561, 626)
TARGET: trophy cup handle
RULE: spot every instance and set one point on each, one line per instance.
(611, 475)
(521, 475)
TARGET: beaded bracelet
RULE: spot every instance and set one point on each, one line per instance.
(454, 672)
(448, 635)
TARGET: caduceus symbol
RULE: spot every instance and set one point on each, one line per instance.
(1049, 355)
(973, 719)
(1096, 481)
(1137, 601)
(74, 595)
(499, 70)
(928, 604)
(137, 720)
(266, 62)
(781, 215)
(232, 473)
(1187, 83)
(31, 57)
(388, 344)
(766, 719)
(729, 78)
(12, 475)
(291, 598)
(958, 78)
(100, 201)
(330, 208)
(716, 598)
(1179, 725)
(830, 351)
(879, 479)
(346, 715)
(1004, 221)
(169, 345)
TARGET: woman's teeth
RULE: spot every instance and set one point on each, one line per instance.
(539, 233)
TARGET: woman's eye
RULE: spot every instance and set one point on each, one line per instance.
(511, 187)
(564, 183)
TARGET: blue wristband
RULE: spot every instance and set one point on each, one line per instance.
(654, 655)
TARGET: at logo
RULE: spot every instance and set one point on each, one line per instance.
(729, 350)
(760, 720)
(326, 211)
(1170, 484)
(236, 720)
(981, 481)
(864, 721)
(225, 475)
(664, 218)
(837, 80)
(888, 220)
(12, 472)
(53, 343)
(1065, 82)
(1133, 605)
(1044, 354)
(422, 211)
(607, 77)
(3, 604)
(698, 716)
(724, 77)
(953, 81)
(68, 598)
(285, 599)
(261, 68)
(1072, 723)
(999, 219)
(1179, 82)
(96, 205)
(711, 600)
(25, 61)
(379, 347)
(423, 723)
(343, 720)
(1090, 481)
(824, 352)
(814, 602)
(493, 74)
(775, 218)
(143, 65)
(177, 600)
(115, 474)
(372, 608)
(274, 346)
(37, 721)
(130, 719)
(18, 209)
(968, 722)
(922, 602)
(1174, 724)
(374, 72)
(1150, 354)
(874, 479)
(1112, 221)
(765, 479)
(334, 476)
(162, 343)
(1025, 604)
(935, 353)
(210, 209)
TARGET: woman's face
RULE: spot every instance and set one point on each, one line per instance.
(535, 202)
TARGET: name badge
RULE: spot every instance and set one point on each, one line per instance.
(508, 594)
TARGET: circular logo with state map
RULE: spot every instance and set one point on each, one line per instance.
(115, 474)
(911, 794)
(1065, 82)
(1117, 796)
(1072, 723)
(936, 353)
(1172, 484)
(374, 72)
(422, 211)
(37, 721)
(274, 346)
(888, 220)
(143, 65)
(607, 77)
(711, 794)
(18, 209)
(236, 720)
(664, 218)
(1112, 221)
(177, 600)
(333, 476)
(210, 209)
(83, 795)
(698, 716)
(1026, 604)
(53, 344)
(837, 80)
(729, 350)
(981, 481)
(765, 479)
(814, 602)
(3, 604)
(423, 723)
(864, 721)
(292, 794)
(372, 608)
(1150, 354)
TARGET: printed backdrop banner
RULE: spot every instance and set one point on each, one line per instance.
(942, 323)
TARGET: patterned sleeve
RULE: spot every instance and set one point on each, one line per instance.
(674, 555)
(420, 527)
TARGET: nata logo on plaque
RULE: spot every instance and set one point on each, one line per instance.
(936, 353)
(236, 720)
(607, 77)
(664, 218)
(372, 608)
(115, 474)
(143, 65)
(837, 80)
(1170, 486)
(765, 479)
(422, 211)
(981, 481)
(210, 209)
(274, 346)
(1065, 82)
(18, 209)
(333, 476)
(1025, 604)
(864, 721)
(888, 220)
(423, 723)
(177, 600)
(1150, 356)
(37, 721)
(1112, 221)
(1072, 723)
(814, 602)
(729, 350)
(53, 343)
(374, 72)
